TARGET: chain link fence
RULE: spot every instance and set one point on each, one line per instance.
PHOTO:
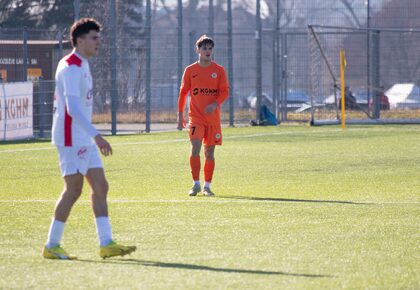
(138, 69)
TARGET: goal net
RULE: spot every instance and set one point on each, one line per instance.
(382, 75)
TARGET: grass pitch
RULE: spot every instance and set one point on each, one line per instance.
(296, 208)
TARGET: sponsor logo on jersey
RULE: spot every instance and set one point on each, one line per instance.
(82, 153)
(89, 98)
(205, 91)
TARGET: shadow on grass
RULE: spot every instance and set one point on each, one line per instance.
(199, 267)
(290, 199)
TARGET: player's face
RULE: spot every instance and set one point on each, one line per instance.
(89, 43)
(205, 52)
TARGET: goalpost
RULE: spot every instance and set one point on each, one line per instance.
(382, 76)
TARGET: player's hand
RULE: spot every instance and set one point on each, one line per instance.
(181, 122)
(103, 145)
(210, 108)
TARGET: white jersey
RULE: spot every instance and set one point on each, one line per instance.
(73, 103)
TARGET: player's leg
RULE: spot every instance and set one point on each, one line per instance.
(73, 185)
(209, 165)
(212, 138)
(196, 133)
(99, 192)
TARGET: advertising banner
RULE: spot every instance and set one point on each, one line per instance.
(16, 111)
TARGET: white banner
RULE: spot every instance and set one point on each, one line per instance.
(16, 107)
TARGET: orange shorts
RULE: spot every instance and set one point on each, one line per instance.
(212, 135)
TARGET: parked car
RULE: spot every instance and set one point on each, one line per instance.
(404, 96)
(297, 97)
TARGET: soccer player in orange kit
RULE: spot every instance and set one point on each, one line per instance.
(208, 86)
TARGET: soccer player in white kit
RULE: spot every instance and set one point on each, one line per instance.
(74, 136)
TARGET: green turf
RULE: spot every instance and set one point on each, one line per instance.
(296, 207)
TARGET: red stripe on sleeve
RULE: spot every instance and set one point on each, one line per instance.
(67, 129)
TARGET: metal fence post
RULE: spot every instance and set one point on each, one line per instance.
(230, 65)
(276, 61)
(76, 6)
(180, 46)
(376, 78)
(148, 64)
(193, 37)
(60, 44)
(211, 18)
(113, 45)
(25, 55)
(274, 72)
(283, 90)
(258, 38)
(368, 63)
(41, 107)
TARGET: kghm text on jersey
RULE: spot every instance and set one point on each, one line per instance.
(206, 91)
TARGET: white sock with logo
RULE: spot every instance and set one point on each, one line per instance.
(103, 229)
(196, 182)
(207, 184)
(55, 233)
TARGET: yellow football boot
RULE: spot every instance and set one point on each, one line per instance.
(113, 249)
(57, 252)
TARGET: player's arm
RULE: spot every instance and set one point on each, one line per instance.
(73, 109)
(182, 98)
(223, 88)
(71, 80)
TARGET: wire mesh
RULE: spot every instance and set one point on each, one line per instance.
(293, 71)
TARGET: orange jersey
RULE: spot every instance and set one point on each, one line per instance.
(206, 85)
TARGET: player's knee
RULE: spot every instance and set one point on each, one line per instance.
(209, 155)
(100, 191)
(105, 188)
(195, 151)
(72, 194)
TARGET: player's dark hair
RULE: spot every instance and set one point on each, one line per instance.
(204, 40)
(81, 27)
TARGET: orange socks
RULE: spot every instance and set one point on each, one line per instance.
(195, 167)
(208, 170)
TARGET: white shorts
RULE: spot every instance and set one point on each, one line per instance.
(78, 159)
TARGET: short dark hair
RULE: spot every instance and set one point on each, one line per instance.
(81, 27)
(204, 40)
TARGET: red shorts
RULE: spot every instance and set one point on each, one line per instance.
(212, 135)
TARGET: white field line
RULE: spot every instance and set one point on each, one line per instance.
(186, 139)
(213, 200)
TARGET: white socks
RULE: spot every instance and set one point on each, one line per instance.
(206, 184)
(55, 234)
(103, 229)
